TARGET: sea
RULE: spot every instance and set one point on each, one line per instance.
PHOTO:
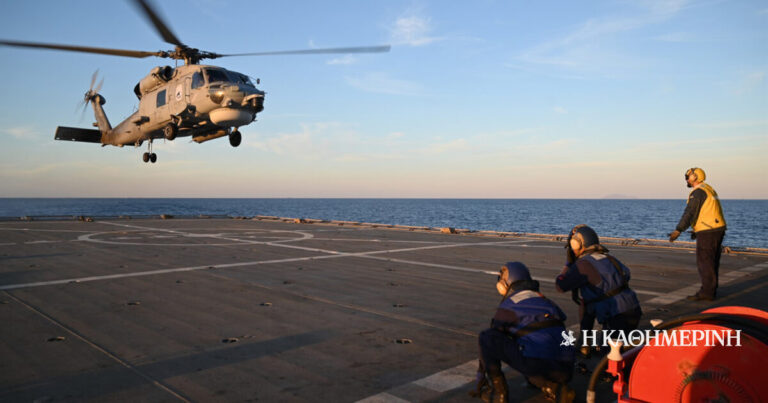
(627, 218)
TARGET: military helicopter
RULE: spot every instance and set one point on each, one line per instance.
(201, 101)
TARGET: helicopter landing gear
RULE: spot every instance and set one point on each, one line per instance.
(149, 156)
(235, 138)
(170, 130)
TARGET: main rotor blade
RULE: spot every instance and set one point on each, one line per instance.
(86, 49)
(363, 49)
(160, 25)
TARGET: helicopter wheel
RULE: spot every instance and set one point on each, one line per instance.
(145, 157)
(170, 130)
(235, 138)
(153, 157)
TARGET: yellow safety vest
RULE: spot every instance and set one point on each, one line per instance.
(711, 213)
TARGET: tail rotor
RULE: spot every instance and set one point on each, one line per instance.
(91, 94)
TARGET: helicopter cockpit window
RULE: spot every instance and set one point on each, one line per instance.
(245, 80)
(197, 80)
(216, 76)
(161, 98)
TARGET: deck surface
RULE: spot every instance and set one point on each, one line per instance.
(266, 310)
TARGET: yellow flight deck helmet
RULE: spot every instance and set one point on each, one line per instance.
(698, 172)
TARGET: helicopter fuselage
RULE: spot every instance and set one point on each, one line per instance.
(204, 102)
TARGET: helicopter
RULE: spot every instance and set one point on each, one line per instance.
(204, 102)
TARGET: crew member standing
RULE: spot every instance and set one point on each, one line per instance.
(602, 280)
(527, 333)
(705, 215)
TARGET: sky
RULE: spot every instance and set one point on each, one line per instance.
(482, 99)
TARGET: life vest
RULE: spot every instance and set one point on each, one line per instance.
(540, 326)
(711, 213)
(613, 295)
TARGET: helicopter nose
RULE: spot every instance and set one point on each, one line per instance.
(255, 100)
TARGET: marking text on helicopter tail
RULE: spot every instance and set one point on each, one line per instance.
(77, 134)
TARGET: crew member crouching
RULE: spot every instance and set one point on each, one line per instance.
(603, 282)
(526, 333)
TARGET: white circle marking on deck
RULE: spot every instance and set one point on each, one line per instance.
(92, 237)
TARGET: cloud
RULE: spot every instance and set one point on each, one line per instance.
(382, 83)
(560, 110)
(584, 48)
(412, 30)
(312, 141)
(22, 132)
(344, 60)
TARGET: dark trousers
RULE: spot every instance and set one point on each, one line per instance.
(626, 321)
(709, 244)
(496, 346)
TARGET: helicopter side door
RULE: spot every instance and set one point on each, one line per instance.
(187, 89)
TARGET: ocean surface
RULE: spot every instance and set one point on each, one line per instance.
(747, 219)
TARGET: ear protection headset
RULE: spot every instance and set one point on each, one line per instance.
(501, 284)
(697, 172)
(582, 236)
(689, 173)
(511, 273)
(575, 241)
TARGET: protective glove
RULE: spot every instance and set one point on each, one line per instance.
(674, 235)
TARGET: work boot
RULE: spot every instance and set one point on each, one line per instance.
(482, 388)
(558, 392)
(699, 297)
(498, 393)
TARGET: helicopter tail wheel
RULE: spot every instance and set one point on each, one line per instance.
(145, 157)
(170, 130)
(153, 157)
(235, 138)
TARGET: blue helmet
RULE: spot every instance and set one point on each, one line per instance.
(584, 235)
(514, 276)
(517, 272)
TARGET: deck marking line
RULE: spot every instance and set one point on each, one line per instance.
(451, 378)
(753, 269)
(459, 268)
(673, 296)
(331, 254)
(725, 278)
(97, 347)
(218, 266)
(383, 397)
(446, 380)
